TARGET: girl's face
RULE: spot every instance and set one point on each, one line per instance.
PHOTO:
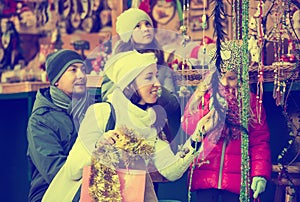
(229, 79)
(148, 85)
(143, 33)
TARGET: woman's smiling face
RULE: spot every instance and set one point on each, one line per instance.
(148, 85)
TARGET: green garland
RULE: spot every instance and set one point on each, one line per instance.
(245, 180)
(180, 12)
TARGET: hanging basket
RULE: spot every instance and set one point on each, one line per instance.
(284, 71)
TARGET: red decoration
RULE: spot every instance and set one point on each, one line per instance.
(145, 6)
(206, 40)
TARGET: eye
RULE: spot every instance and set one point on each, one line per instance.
(148, 24)
(138, 25)
(149, 78)
(73, 69)
(232, 78)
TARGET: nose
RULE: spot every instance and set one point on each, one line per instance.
(80, 73)
(156, 82)
(144, 27)
(224, 81)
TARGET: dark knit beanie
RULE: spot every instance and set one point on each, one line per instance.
(58, 62)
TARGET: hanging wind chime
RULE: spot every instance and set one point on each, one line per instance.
(283, 64)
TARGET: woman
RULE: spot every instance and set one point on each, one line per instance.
(135, 29)
(134, 103)
(213, 112)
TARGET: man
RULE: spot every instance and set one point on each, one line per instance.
(56, 114)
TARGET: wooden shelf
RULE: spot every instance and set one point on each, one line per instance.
(27, 86)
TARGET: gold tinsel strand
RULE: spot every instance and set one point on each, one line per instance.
(104, 181)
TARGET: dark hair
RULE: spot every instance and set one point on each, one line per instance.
(220, 109)
(131, 93)
(153, 47)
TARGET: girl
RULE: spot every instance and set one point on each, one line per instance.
(213, 112)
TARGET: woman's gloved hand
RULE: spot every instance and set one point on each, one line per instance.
(258, 186)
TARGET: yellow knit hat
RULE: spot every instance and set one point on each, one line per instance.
(124, 67)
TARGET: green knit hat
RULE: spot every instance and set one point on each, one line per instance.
(58, 62)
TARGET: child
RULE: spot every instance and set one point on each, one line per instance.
(213, 111)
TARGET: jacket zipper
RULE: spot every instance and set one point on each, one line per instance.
(222, 164)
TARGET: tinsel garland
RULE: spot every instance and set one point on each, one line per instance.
(104, 181)
(245, 180)
(234, 19)
(238, 19)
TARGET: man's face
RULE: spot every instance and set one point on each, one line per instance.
(73, 81)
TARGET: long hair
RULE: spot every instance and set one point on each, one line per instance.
(132, 94)
(153, 47)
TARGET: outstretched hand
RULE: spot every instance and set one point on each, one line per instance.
(206, 124)
(258, 186)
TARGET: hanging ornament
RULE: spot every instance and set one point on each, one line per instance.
(260, 69)
(282, 64)
(204, 39)
(184, 27)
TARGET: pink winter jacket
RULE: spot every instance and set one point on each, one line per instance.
(224, 156)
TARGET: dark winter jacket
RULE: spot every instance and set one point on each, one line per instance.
(51, 134)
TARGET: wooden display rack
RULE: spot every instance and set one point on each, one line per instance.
(27, 86)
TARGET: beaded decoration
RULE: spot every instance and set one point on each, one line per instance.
(231, 56)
